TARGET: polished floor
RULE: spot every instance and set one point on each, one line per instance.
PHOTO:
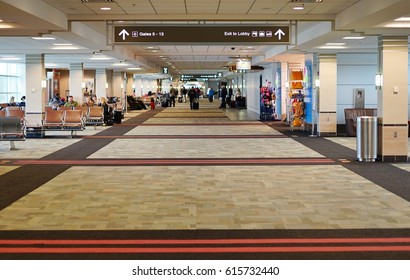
(176, 169)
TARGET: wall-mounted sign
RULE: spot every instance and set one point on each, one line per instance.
(202, 34)
(165, 70)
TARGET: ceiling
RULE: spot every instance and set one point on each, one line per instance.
(88, 29)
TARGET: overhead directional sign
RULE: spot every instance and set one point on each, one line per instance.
(187, 77)
(202, 34)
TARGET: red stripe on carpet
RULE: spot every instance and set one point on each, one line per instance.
(183, 136)
(91, 250)
(204, 241)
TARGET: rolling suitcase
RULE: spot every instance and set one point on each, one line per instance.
(195, 106)
(117, 117)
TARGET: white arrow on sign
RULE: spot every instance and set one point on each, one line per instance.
(123, 33)
(279, 33)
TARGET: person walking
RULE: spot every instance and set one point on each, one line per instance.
(224, 93)
(191, 96)
(211, 95)
(173, 92)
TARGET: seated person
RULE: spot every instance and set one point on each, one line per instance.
(70, 102)
(88, 102)
(22, 102)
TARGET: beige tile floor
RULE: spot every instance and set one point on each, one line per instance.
(205, 130)
(211, 197)
(201, 197)
(204, 148)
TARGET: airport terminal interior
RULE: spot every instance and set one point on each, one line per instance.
(291, 140)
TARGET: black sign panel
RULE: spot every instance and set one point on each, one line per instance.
(187, 77)
(202, 34)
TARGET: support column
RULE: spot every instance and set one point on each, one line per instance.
(284, 67)
(130, 84)
(118, 84)
(327, 120)
(36, 95)
(76, 81)
(392, 109)
(101, 82)
(138, 84)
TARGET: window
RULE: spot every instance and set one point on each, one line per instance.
(11, 81)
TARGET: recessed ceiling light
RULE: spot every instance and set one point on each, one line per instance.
(332, 47)
(62, 44)
(1, 20)
(354, 38)
(402, 19)
(100, 57)
(65, 48)
(5, 25)
(9, 58)
(43, 38)
(105, 8)
(299, 7)
(335, 44)
(120, 64)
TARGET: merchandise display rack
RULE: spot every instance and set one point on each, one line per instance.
(296, 97)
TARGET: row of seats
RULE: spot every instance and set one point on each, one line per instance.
(76, 117)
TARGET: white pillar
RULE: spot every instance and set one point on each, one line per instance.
(76, 81)
(138, 83)
(285, 89)
(327, 121)
(36, 95)
(101, 81)
(392, 102)
(118, 84)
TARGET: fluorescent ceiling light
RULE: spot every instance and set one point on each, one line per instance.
(332, 47)
(398, 25)
(335, 44)
(298, 8)
(105, 8)
(5, 25)
(134, 68)
(62, 44)
(402, 19)
(9, 58)
(120, 64)
(100, 57)
(65, 48)
(43, 38)
(353, 38)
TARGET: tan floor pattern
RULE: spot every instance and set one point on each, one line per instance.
(205, 148)
(188, 197)
(204, 130)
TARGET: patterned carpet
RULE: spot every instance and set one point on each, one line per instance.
(172, 183)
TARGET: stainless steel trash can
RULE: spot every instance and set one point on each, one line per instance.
(366, 139)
